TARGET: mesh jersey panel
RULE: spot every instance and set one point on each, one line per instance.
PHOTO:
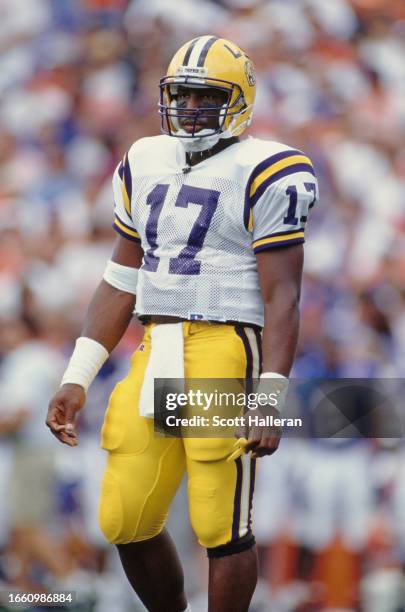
(226, 285)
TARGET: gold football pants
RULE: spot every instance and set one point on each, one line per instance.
(145, 470)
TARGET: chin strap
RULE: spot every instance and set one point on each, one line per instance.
(198, 144)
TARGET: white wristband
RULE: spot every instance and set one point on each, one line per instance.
(121, 277)
(272, 375)
(278, 386)
(86, 360)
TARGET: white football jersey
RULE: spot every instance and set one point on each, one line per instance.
(201, 227)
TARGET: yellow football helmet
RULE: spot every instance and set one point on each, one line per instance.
(208, 61)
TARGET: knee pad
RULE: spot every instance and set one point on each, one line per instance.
(122, 519)
(111, 512)
(119, 524)
(232, 548)
(209, 518)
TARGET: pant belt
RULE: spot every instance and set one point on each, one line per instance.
(162, 319)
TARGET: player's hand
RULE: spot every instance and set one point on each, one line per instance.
(62, 411)
(260, 439)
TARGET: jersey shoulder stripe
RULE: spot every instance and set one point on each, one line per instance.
(121, 170)
(269, 171)
(275, 167)
(124, 172)
(125, 230)
(278, 239)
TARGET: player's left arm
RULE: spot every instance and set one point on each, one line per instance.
(280, 273)
(282, 191)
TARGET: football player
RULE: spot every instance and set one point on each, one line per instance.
(209, 254)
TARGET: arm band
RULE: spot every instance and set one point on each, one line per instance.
(86, 360)
(279, 386)
(121, 277)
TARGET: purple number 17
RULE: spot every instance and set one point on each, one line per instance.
(185, 262)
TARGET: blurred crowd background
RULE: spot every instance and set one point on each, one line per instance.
(78, 84)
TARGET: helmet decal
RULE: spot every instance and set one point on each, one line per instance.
(250, 73)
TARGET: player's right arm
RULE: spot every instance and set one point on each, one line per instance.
(107, 318)
(108, 315)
